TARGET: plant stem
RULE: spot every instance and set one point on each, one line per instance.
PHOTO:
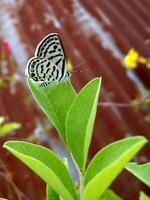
(81, 182)
(81, 178)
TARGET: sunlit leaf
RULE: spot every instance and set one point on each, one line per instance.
(142, 172)
(47, 165)
(80, 120)
(143, 196)
(55, 101)
(9, 127)
(110, 195)
(107, 165)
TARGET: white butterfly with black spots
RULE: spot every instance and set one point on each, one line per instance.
(49, 63)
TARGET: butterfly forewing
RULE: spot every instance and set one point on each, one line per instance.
(52, 49)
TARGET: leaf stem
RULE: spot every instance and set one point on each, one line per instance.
(81, 182)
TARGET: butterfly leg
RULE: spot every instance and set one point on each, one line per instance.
(44, 84)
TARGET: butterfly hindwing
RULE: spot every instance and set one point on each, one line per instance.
(42, 70)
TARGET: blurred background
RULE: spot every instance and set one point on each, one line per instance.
(96, 34)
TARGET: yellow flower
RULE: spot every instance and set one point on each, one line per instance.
(131, 59)
(69, 65)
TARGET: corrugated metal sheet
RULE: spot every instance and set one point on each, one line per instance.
(95, 34)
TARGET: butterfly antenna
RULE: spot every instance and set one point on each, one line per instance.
(76, 71)
(79, 65)
(79, 71)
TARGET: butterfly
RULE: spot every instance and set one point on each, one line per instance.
(49, 63)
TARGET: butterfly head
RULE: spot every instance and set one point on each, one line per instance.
(68, 74)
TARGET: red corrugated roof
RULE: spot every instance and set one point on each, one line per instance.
(97, 34)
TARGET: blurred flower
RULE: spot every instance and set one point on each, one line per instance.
(69, 65)
(147, 41)
(147, 118)
(148, 62)
(2, 119)
(7, 48)
(133, 58)
(2, 83)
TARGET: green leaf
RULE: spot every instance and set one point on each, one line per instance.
(143, 196)
(51, 194)
(2, 199)
(110, 195)
(108, 163)
(142, 172)
(80, 120)
(8, 127)
(55, 101)
(46, 164)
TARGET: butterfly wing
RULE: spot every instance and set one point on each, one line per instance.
(42, 70)
(51, 48)
(32, 69)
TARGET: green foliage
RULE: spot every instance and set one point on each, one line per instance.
(80, 120)
(51, 194)
(147, 118)
(73, 116)
(55, 101)
(142, 172)
(110, 195)
(143, 196)
(7, 127)
(46, 164)
(108, 163)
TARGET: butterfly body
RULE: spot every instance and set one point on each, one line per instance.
(49, 63)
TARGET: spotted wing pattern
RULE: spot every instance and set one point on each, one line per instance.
(42, 70)
(49, 63)
(52, 49)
